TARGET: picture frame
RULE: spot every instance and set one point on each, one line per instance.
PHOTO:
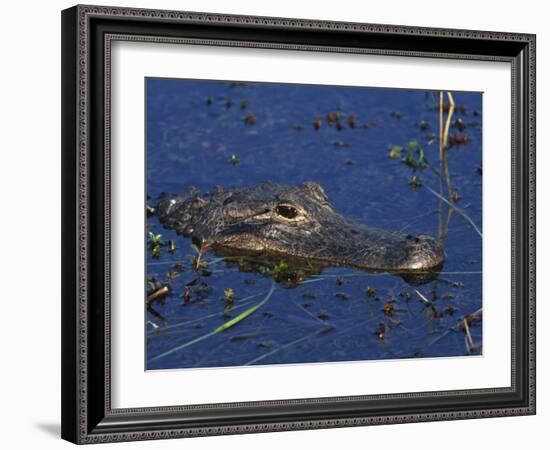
(87, 366)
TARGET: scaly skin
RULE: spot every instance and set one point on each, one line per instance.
(294, 221)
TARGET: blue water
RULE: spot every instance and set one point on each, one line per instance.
(193, 130)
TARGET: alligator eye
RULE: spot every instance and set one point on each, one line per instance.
(287, 211)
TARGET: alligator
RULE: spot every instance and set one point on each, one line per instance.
(296, 222)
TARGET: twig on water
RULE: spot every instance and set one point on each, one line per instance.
(441, 126)
(159, 293)
(423, 297)
(313, 280)
(469, 342)
(458, 210)
(154, 325)
(445, 146)
(439, 218)
(156, 314)
(448, 122)
(443, 162)
(476, 316)
(444, 232)
(468, 319)
(323, 330)
(313, 316)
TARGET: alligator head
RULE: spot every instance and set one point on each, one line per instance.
(294, 221)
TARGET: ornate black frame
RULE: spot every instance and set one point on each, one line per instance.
(87, 32)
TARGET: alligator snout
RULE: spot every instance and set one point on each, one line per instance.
(370, 248)
(424, 252)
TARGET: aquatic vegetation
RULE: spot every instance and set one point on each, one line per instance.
(225, 326)
(460, 124)
(423, 125)
(415, 157)
(459, 139)
(352, 120)
(172, 246)
(155, 244)
(389, 308)
(380, 333)
(323, 315)
(395, 151)
(396, 114)
(459, 211)
(371, 292)
(333, 118)
(197, 263)
(415, 182)
(229, 294)
(155, 239)
(280, 269)
(250, 119)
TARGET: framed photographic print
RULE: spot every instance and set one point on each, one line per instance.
(281, 224)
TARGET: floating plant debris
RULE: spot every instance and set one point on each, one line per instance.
(250, 119)
(333, 118)
(352, 120)
(395, 151)
(371, 292)
(459, 139)
(415, 182)
(459, 123)
(423, 125)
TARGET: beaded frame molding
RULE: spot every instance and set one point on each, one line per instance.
(87, 35)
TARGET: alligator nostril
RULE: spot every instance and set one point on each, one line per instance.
(417, 239)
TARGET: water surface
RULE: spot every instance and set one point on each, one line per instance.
(198, 135)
